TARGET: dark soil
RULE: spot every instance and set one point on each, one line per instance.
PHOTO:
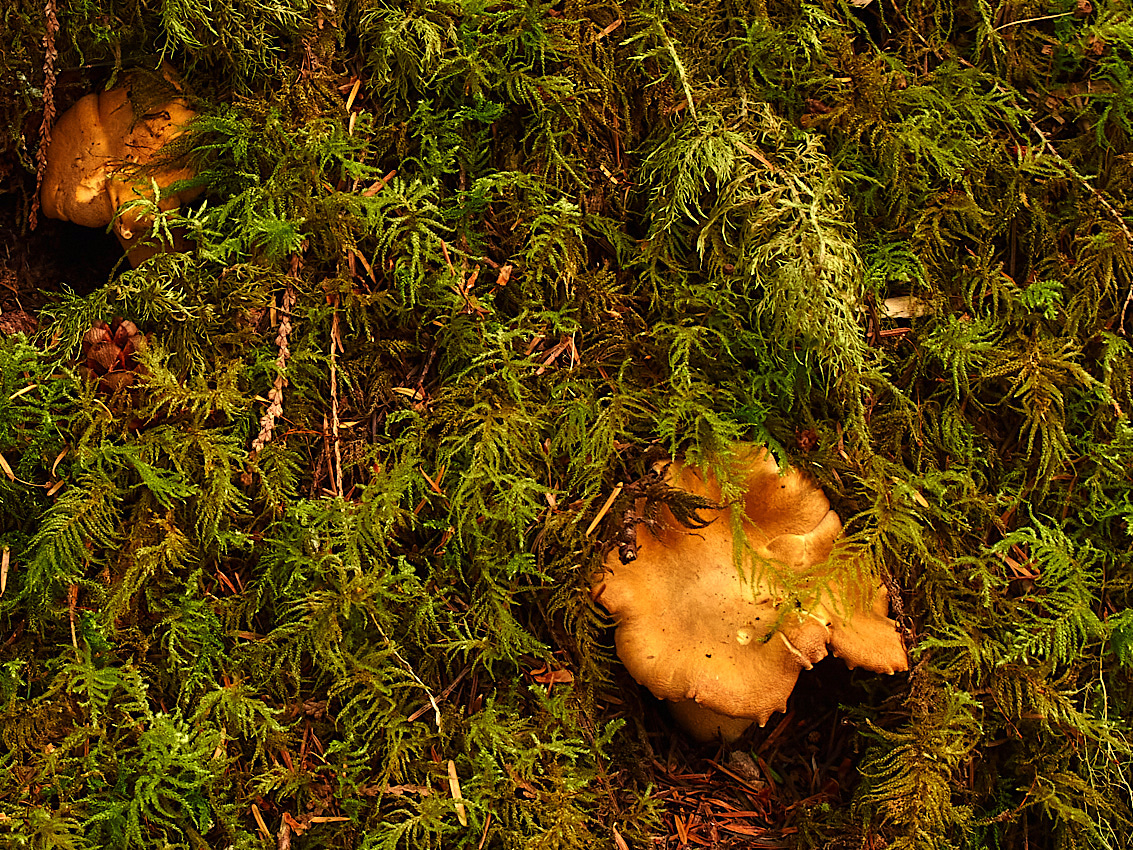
(55, 256)
(759, 792)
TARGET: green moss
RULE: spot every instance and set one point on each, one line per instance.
(543, 246)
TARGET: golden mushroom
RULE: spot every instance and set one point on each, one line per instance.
(707, 622)
(93, 163)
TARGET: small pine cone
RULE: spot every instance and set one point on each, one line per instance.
(806, 439)
(108, 354)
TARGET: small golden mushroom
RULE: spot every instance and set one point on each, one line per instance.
(706, 624)
(93, 163)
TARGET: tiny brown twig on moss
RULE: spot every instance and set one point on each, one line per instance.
(49, 56)
(335, 343)
(275, 395)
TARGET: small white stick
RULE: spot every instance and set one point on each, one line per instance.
(454, 787)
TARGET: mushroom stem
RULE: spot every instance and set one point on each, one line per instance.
(707, 725)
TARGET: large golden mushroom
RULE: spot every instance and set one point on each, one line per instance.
(93, 163)
(708, 622)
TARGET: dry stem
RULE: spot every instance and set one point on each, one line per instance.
(49, 56)
(275, 395)
(335, 342)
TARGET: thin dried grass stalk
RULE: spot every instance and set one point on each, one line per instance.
(275, 395)
(49, 56)
(335, 342)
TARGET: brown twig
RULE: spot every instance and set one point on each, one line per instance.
(335, 343)
(425, 369)
(441, 697)
(72, 604)
(49, 56)
(275, 395)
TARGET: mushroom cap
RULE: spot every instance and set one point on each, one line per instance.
(704, 620)
(78, 162)
(91, 161)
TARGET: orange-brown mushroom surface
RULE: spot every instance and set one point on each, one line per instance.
(93, 163)
(708, 622)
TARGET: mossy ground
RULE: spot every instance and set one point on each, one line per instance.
(520, 250)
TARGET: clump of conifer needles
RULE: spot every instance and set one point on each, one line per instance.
(540, 245)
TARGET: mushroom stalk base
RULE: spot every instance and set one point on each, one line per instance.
(707, 725)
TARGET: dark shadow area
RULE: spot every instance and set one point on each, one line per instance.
(35, 264)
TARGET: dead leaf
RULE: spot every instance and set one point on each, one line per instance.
(682, 829)
(743, 829)
(402, 790)
(547, 676)
(504, 276)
